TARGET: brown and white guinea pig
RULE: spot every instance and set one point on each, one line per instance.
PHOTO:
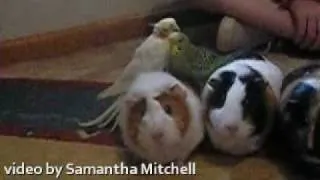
(161, 118)
(241, 100)
(300, 107)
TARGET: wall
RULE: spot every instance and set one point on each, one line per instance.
(24, 17)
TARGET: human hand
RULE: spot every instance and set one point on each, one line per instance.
(306, 17)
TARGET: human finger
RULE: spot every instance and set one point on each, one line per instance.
(316, 45)
(310, 34)
(301, 27)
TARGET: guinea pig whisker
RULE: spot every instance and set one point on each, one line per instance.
(257, 79)
(293, 101)
(311, 159)
(311, 138)
(232, 128)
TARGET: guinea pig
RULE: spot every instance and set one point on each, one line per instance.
(161, 119)
(300, 109)
(241, 101)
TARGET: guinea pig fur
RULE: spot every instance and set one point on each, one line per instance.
(241, 101)
(300, 107)
(161, 118)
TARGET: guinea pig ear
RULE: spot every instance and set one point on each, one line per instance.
(131, 101)
(137, 106)
(178, 91)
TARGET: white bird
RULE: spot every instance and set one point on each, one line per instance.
(151, 55)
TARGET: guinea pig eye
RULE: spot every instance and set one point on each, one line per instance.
(167, 109)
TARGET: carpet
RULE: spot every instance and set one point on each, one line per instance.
(38, 125)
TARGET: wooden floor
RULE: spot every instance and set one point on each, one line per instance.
(97, 64)
(102, 64)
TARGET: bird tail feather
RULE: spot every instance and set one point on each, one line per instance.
(112, 116)
(101, 120)
(110, 91)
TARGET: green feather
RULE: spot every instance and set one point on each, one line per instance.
(194, 64)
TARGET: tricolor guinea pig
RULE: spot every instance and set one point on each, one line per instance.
(300, 107)
(241, 101)
(161, 118)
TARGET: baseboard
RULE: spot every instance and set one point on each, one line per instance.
(73, 39)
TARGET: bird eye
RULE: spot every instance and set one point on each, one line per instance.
(168, 109)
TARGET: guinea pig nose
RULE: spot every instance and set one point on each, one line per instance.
(157, 136)
(232, 128)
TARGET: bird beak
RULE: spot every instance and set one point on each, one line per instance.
(177, 30)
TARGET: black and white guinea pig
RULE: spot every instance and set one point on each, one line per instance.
(161, 118)
(241, 100)
(300, 107)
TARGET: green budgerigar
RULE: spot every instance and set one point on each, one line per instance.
(191, 63)
(194, 64)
